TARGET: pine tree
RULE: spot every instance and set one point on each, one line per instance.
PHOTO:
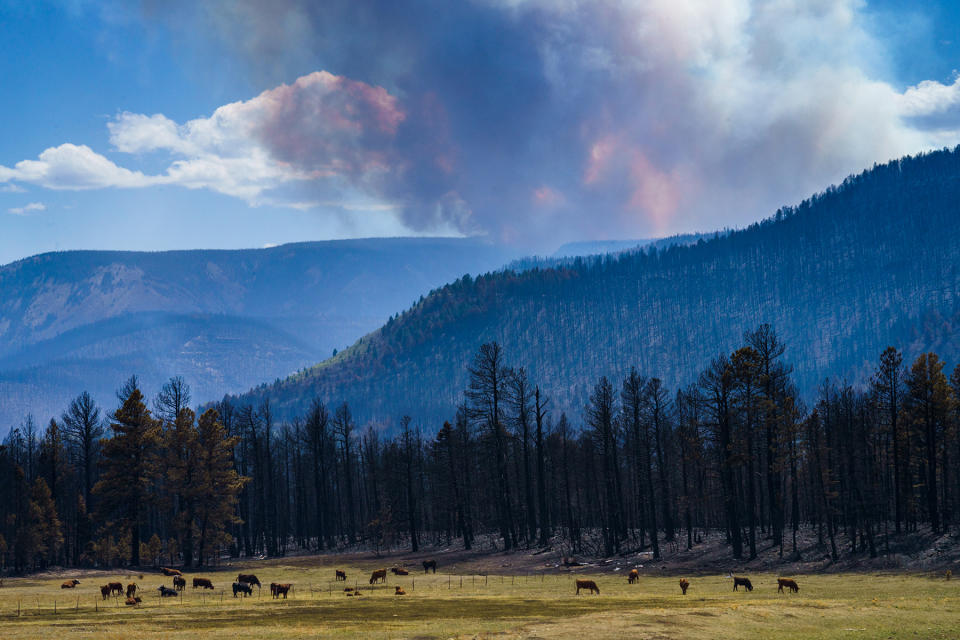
(128, 467)
(44, 523)
(927, 406)
(217, 483)
(181, 441)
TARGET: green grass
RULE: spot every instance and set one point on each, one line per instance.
(860, 606)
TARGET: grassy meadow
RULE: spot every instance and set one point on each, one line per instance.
(857, 606)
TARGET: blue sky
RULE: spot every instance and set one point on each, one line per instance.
(175, 124)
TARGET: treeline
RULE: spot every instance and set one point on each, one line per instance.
(642, 466)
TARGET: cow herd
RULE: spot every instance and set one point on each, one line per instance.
(245, 582)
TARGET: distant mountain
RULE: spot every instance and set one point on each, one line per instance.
(872, 262)
(588, 248)
(574, 253)
(225, 320)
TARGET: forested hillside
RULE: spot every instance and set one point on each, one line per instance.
(225, 320)
(865, 264)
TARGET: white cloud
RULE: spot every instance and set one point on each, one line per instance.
(75, 167)
(26, 209)
(321, 128)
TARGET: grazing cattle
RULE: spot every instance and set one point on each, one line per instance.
(132, 601)
(166, 592)
(281, 589)
(132, 589)
(399, 592)
(587, 584)
(70, 584)
(788, 583)
(742, 582)
(684, 583)
(380, 575)
(429, 564)
(170, 572)
(105, 591)
(179, 583)
(249, 578)
(399, 571)
(116, 586)
(634, 576)
(242, 587)
(348, 588)
(341, 575)
(202, 582)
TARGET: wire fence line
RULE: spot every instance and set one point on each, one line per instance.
(34, 606)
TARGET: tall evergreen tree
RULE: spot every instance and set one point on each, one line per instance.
(128, 467)
(217, 484)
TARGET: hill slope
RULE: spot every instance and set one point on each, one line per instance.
(872, 262)
(225, 320)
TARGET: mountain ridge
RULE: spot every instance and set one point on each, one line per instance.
(840, 276)
(301, 300)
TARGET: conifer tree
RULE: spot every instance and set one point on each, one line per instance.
(44, 524)
(128, 467)
(927, 406)
(181, 457)
(217, 482)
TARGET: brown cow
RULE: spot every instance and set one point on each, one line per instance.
(380, 575)
(399, 571)
(132, 601)
(70, 584)
(684, 583)
(132, 589)
(429, 564)
(105, 591)
(587, 584)
(249, 578)
(788, 583)
(202, 582)
(341, 575)
(170, 572)
(116, 586)
(399, 591)
(281, 589)
(179, 583)
(634, 576)
(742, 582)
